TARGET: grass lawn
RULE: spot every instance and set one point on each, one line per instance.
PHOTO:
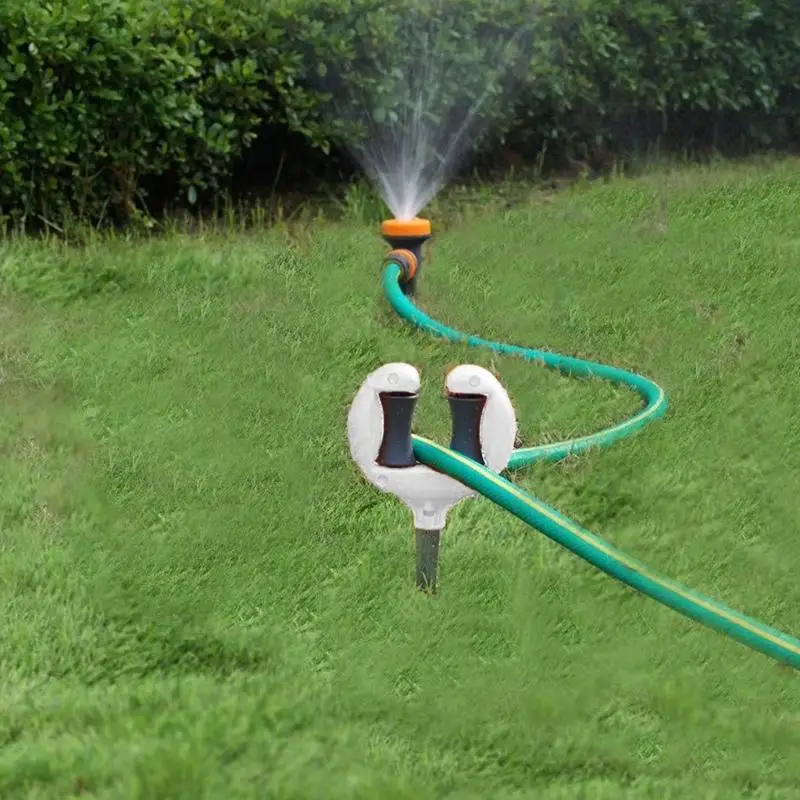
(202, 599)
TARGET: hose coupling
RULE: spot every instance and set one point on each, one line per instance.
(407, 262)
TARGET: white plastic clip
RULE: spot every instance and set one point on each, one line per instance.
(429, 494)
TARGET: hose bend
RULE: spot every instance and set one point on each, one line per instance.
(548, 520)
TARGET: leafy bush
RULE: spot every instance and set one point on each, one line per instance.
(686, 64)
(96, 95)
(601, 74)
(100, 98)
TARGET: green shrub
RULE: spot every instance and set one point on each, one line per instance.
(97, 95)
(600, 72)
(698, 61)
(100, 99)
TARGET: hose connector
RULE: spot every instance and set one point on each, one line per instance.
(406, 238)
(408, 263)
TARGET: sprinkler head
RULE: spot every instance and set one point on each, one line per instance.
(406, 238)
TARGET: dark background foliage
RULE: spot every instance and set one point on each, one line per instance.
(112, 108)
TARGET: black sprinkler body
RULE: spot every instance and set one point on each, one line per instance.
(465, 412)
(406, 238)
(396, 449)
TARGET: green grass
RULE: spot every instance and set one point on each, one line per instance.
(201, 598)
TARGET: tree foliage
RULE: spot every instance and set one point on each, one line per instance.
(99, 98)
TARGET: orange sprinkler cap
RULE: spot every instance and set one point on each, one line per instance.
(402, 228)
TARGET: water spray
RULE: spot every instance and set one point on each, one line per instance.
(430, 478)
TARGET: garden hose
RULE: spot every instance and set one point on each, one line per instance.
(546, 519)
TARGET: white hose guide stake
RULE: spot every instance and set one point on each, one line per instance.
(428, 493)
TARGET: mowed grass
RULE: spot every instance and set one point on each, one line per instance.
(203, 599)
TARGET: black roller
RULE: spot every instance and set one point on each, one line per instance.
(465, 412)
(396, 449)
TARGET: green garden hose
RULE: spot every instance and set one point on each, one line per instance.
(550, 522)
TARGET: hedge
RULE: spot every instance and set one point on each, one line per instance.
(102, 98)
